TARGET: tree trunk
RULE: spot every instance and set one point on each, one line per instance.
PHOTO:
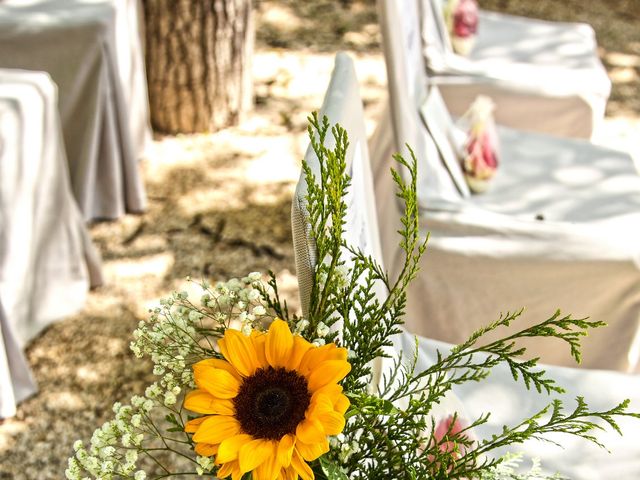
(198, 55)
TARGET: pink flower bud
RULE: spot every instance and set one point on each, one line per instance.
(465, 18)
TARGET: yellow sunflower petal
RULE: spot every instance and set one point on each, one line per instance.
(301, 467)
(259, 340)
(239, 351)
(300, 347)
(319, 404)
(254, 453)
(269, 469)
(230, 447)
(218, 363)
(289, 473)
(322, 410)
(342, 404)
(334, 391)
(332, 422)
(206, 449)
(201, 401)
(279, 344)
(219, 383)
(217, 428)
(192, 425)
(330, 371)
(311, 451)
(310, 430)
(331, 390)
(316, 356)
(285, 450)
(231, 468)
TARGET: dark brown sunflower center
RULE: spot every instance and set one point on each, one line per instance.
(272, 402)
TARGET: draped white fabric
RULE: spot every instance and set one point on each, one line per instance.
(559, 229)
(543, 76)
(92, 50)
(16, 381)
(47, 261)
(508, 401)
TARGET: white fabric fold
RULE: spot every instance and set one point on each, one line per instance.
(16, 380)
(93, 53)
(47, 260)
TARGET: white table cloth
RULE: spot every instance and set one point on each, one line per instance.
(559, 228)
(508, 401)
(92, 50)
(543, 76)
(47, 260)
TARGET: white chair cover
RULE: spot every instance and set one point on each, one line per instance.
(509, 402)
(47, 261)
(342, 105)
(92, 50)
(16, 381)
(543, 76)
(559, 229)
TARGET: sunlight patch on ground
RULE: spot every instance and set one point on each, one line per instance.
(148, 266)
(10, 429)
(65, 400)
(280, 16)
(619, 59)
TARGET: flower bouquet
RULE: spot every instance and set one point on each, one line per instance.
(480, 152)
(247, 390)
(461, 18)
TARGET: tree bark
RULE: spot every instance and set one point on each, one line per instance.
(198, 55)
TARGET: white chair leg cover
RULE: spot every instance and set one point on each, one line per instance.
(16, 381)
(47, 260)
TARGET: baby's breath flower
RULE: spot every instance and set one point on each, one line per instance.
(254, 276)
(322, 329)
(169, 399)
(302, 325)
(205, 464)
(131, 456)
(259, 310)
(246, 329)
(136, 420)
(253, 294)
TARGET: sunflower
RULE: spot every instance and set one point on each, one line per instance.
(269, 405)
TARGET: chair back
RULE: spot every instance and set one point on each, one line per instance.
(407, 80)
(435, 36)
(343, 105)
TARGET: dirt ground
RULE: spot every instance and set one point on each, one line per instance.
(219, 206)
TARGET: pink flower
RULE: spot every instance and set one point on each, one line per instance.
(465, 18)
(481, 161)
(448, 430)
